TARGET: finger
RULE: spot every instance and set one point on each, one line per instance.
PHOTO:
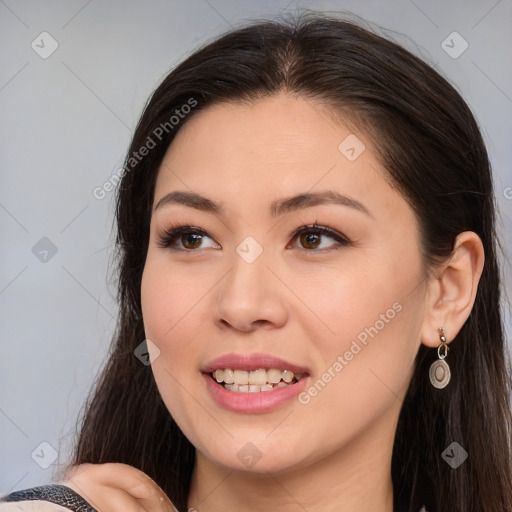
(128, 478)
(117, 500)
(136, 483)
(105, 498)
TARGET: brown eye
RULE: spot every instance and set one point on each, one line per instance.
(184, 238)
(311, 238)
(191, 238)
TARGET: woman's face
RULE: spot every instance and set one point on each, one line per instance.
(342, 309)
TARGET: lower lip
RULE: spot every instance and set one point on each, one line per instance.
(258, 402)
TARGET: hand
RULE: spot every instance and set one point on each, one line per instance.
(116, 487)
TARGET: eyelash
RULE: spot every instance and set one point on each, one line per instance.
(167, 237)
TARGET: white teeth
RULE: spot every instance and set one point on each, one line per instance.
(256, 380)
(258, 377)
(252, 388)
(241, 377)
(287, 376)
(274, 375)
(229, 376)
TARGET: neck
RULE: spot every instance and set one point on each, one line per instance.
(356, 477)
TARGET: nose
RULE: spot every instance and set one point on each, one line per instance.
(250, 296)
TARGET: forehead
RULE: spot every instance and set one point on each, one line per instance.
(274, 147)
(266, 128)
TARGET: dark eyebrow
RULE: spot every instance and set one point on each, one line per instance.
(277, 208)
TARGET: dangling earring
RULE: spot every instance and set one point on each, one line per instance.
(439, 370)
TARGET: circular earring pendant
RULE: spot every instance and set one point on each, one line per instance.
(439, 374)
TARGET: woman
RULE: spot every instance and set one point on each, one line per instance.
(309, 291)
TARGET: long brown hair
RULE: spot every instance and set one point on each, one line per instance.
(429, 142)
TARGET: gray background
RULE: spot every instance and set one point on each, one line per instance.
(66, 122)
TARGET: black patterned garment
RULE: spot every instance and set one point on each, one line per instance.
(54, 493)
(60, 495)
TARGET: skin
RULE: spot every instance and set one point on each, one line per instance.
(301, 304)
(112, 487)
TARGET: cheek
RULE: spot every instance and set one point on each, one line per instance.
(169, 299)
(359, 300)
(165, 303)
(157, 299)
(167, 309)
(365, 362)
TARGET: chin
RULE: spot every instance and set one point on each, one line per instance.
(259, 457)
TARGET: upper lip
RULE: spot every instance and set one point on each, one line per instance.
(251, 362)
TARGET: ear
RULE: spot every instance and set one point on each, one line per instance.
(451, 290)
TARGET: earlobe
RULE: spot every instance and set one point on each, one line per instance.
(452, 290)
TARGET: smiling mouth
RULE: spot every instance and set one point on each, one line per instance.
(242, 381)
